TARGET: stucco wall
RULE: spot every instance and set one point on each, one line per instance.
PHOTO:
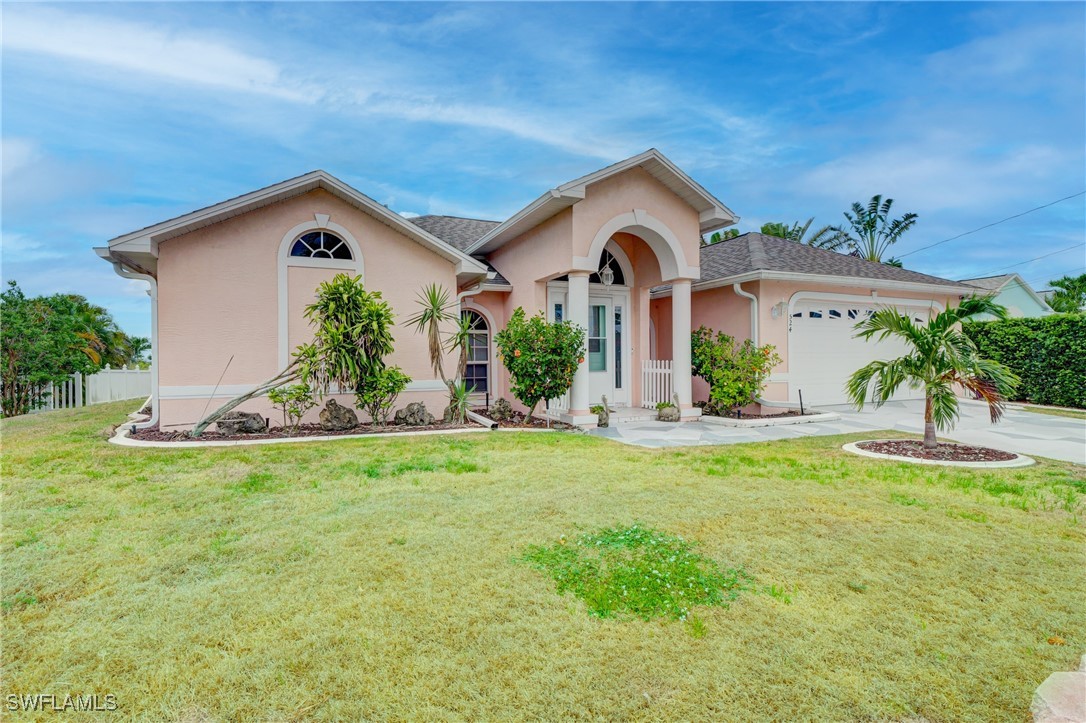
(218, 299)
(723, 310)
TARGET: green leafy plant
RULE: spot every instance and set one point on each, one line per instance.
(870, 232)
(294, 400)
(798, 232)
(596, 409)
(941, 356)
(437, 309)
(458, 401)
(352, 336)
(638, 571)
(664, 405)
(735, 372)
(1048, 354)
(378, 393)
(1068, 294)
(541, 356)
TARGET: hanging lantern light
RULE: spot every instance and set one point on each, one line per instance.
(607, 276)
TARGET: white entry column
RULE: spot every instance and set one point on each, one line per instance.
(577, 312)
(680, 342)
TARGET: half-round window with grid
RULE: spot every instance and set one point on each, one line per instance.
(321, 245)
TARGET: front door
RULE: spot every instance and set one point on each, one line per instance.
(601, 349)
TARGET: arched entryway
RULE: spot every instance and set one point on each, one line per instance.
(606, 314)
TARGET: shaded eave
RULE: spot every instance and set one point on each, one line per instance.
(712, 214)
(141, 247)
(949, 289)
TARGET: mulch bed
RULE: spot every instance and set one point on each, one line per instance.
(945, 452)
(306, 430)
(517, 421)
(789, 413)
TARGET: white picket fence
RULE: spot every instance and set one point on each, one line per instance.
(655, 382)
(107, 385)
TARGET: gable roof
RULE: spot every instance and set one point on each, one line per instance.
(713, 214)
(143, 244)
(456, 231)
(755, 255)
(995, 284)
(989, 283)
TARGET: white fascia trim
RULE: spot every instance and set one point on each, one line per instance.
(854, 281)
(294, 187)
(549, 203)
(716, 216)
(229, 391)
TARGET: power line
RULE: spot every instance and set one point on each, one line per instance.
(1017, 215)
(1023, 263)
(1048, 278)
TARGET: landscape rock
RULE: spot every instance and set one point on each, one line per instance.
(335, 417)
(414, 415)
(1060, 699)
(241, 423)
(501, 410)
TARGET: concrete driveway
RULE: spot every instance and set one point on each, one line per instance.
(1019, 431)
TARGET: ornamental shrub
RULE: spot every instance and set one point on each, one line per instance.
(378, 393)
(294, 400)
(541, 356)
(1047, 353)
(735, 372)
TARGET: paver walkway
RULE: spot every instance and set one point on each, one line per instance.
(1019, 431)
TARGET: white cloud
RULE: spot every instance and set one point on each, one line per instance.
(139, 48)
(20, 248)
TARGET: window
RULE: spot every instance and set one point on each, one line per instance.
(814, 314)
(835, 314)
(597, 338)
(618, 347)
(321, 245)
(557, 312)
(477, 372)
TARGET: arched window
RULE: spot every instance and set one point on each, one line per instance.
(477, 373)
(321, 245)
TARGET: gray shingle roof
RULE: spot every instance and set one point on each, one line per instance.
(453, 230)
(989, 283)
(757, 252)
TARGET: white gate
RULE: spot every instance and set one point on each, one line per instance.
(655, 382)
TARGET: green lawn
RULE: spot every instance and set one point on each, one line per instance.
(1056, 412)
(385, 579)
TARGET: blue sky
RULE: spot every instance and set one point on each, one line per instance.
(116, 116)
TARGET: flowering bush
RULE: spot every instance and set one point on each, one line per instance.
(541, 356)
(736, 373)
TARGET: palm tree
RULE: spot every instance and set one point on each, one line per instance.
(940, 357)
(435, 309)
(870, 232)
(798, 232)
(1069, 294)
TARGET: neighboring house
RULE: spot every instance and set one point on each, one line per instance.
(1011, 291)
(617, 251)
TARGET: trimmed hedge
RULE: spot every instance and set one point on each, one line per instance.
(1048, 353)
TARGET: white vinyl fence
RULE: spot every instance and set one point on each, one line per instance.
(107, 385)
(655, 382)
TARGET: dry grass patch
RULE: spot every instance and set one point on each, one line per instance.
(378, 579)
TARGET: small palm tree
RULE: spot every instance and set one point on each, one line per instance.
(870, 232)
(798, 232)
(435, 309)
(941, 356)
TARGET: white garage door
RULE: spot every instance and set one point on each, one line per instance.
(822, 352)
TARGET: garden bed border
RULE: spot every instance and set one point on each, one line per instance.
(1020, 460)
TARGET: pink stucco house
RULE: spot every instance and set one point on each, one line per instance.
(617, 251)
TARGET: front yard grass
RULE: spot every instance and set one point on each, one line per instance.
(386, 579)
(1057, 411)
